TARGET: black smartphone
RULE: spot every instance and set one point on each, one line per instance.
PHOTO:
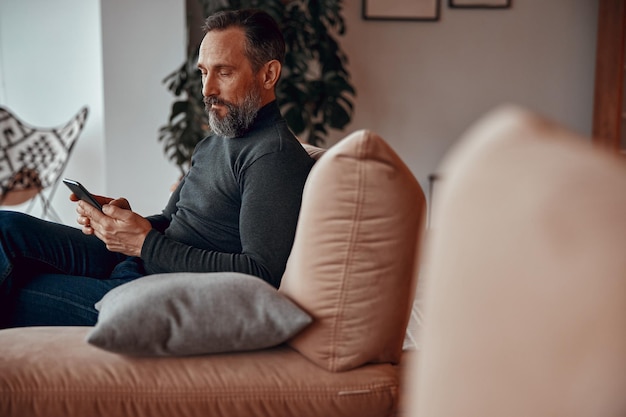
(81, 192)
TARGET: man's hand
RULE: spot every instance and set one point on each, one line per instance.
(85, 221)
(117, 226)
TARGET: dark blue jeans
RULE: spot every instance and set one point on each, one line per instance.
(52, 274)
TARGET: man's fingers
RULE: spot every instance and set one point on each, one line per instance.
(87, 210)
(121, 203)
(114, 211)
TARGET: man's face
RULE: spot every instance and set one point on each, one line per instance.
(232, 91)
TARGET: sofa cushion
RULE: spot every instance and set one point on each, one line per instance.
(526, 291)
(51, 372)
(313, 151)
(353, 260)
(194, 313)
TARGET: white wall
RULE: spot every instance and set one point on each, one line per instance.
(111, 56)
(143, 42)
(421, 84)
(51, 66)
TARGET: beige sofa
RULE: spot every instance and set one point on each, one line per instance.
(352, 269)
(525, 277)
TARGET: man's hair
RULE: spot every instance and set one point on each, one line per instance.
(264, 40)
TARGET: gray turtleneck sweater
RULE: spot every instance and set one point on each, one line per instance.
(237, 207)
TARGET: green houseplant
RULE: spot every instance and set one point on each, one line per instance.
(315, 92)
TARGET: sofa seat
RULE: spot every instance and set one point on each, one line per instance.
(51, 371)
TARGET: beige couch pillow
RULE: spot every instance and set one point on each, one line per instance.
(525, 305)
(351, 266)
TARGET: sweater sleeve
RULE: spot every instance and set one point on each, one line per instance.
(160, 222)
(271, 196)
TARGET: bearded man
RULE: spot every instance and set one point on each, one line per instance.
(235, 210)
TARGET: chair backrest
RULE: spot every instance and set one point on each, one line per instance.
(525, 292)
(33, 158)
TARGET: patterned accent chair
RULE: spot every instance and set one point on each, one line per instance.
(32, 159)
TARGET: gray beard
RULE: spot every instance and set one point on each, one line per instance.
(238, 118)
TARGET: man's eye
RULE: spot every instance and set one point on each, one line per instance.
(226, 73)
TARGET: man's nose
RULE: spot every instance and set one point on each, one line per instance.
(209, 87)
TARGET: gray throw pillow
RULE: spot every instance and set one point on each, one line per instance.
(194, 313)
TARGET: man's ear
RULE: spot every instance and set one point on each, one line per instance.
(271, 73)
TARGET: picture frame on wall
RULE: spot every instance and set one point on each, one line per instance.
(479, 4)
(419, 10)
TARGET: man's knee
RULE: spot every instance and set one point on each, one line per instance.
(13, 221)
